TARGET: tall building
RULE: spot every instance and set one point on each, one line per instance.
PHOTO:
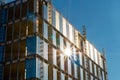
(38, 43)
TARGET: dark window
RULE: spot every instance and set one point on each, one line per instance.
(17, 11)
(10, 13)
(57, 39)
(15, 51)
(50, 35)
(31, 5)
(40, 26)
(24, 9)
(23, 28)
(9, 32)
(21, 71)
(16, 30)
(40, 8)
(22, 48)
(14, 71)
(30, 27)
(6, 72)
(8, 52)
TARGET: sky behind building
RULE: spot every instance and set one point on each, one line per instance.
(102, 20)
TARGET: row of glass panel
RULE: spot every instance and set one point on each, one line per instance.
(62, 25)
(16, 10)
(95, 55)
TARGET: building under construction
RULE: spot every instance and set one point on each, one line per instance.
(38, 43)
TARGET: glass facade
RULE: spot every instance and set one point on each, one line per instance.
(33, 48)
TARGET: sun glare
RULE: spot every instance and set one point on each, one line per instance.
(67, 52)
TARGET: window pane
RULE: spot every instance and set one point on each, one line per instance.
(16, 30)
(8, 52)
(45, 30)
(21, 71)
(23, 28)
(24, 9)
(9, 32)
(53, 18)
(61, 24)
(40, 25)
(40, 8)
(45, 12)
(30, 27)
(10, 13)
(22, 48)
(17, 11)
(6, 72)
(57, 39)
(14, 71)
(15, 51)
(31, 5)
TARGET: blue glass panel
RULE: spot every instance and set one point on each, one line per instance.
(2, 33)
(30, 67)
(31, 45)
(3, 16)
(1, 53)
(1, 71)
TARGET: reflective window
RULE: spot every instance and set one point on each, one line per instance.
(57, 39)
(54, 56)
(53, 18)
(61, 43)
(45, 53)
(81, 74)
(54, 37)
(62, 76)
(54, 74)
(90, 63)
(61, 24)
(45, 30)
(45, 71)
(67, 30)
(45, 12)
(62, 61)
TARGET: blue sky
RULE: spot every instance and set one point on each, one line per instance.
(102, 20)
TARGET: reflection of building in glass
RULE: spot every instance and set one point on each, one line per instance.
(33, 39)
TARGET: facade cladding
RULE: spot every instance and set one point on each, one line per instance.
(33, 39)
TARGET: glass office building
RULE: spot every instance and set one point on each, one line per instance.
(33, 40)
